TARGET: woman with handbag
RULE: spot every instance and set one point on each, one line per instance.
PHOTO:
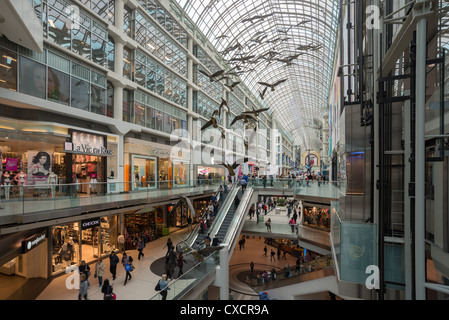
(108, 291)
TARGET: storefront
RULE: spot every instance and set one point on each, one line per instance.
(147, 224)
(83, 240)
(206, 174)
(200, 205)
(87, 157)
(30, 259)
(317, 216)
(144, 171)
(179, 217)
(47, 158)
(153, 165)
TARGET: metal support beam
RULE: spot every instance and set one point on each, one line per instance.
(421, 55)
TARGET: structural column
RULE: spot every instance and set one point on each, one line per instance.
(222, 273)
(421, 51)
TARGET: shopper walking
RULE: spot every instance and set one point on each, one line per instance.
(85, 269)
(265, 251)
(121, 242)
(163, 286)
(292, 224)
(168, 245)
(99, 271)
(127, 262)
(180, 262)
(272, 254)
(268, 224)
(251, 266)
(83, 287)
(113, 262)
(189, 223)
(140, 247)
(108, 291)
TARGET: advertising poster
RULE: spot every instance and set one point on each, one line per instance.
(39, 167)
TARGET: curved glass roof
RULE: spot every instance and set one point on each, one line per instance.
(279, 39)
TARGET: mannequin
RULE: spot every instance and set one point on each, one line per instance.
(93, 182)
(52, 180)
(21, 179)
(7, 179)
(84, 180)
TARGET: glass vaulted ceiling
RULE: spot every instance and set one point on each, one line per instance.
(270, 33)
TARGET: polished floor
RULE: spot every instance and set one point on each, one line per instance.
(144, 277)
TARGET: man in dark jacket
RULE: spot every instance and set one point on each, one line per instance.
(113, 261)
(215, 241)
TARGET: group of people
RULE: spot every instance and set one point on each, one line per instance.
(99, 271)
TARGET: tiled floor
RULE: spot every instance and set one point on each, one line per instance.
(141, 286)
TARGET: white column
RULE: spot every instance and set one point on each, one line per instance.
(118, 101)
(420, 208)
(222, 273)
(119, 8)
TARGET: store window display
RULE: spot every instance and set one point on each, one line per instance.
(181, 173)
(7, 182)
(144, 172)
(65, 246)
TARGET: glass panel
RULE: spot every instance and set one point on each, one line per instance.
(111, 55)
(80, 94)
(58, 86)
(98, 100)
(139, 74)
(59, 28)
(81, 42)
(32, 78)
(127, 63)
(167, 123)
(139, 114)
(8, 69)
(110, 100)
(99, 49)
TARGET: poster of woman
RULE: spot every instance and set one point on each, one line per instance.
(39, 167)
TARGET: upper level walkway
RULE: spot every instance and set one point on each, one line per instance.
(31, 204)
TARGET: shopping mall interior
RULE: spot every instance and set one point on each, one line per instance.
(241, 150)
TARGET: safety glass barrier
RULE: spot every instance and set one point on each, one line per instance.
(303, 187)
(354, 247)
(18, 199)
(275, 276)
(180, 286)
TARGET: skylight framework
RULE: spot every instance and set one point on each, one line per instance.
(269, 33)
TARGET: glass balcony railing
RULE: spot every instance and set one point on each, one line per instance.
(180, 286)
(354, 246)
(302, 187)
(274, 278)
(25, 199)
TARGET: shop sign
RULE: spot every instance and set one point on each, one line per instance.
(91, 223)
(86, 143)
(33, 242)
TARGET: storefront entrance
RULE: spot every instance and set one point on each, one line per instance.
(165, 173)
(88, 173)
